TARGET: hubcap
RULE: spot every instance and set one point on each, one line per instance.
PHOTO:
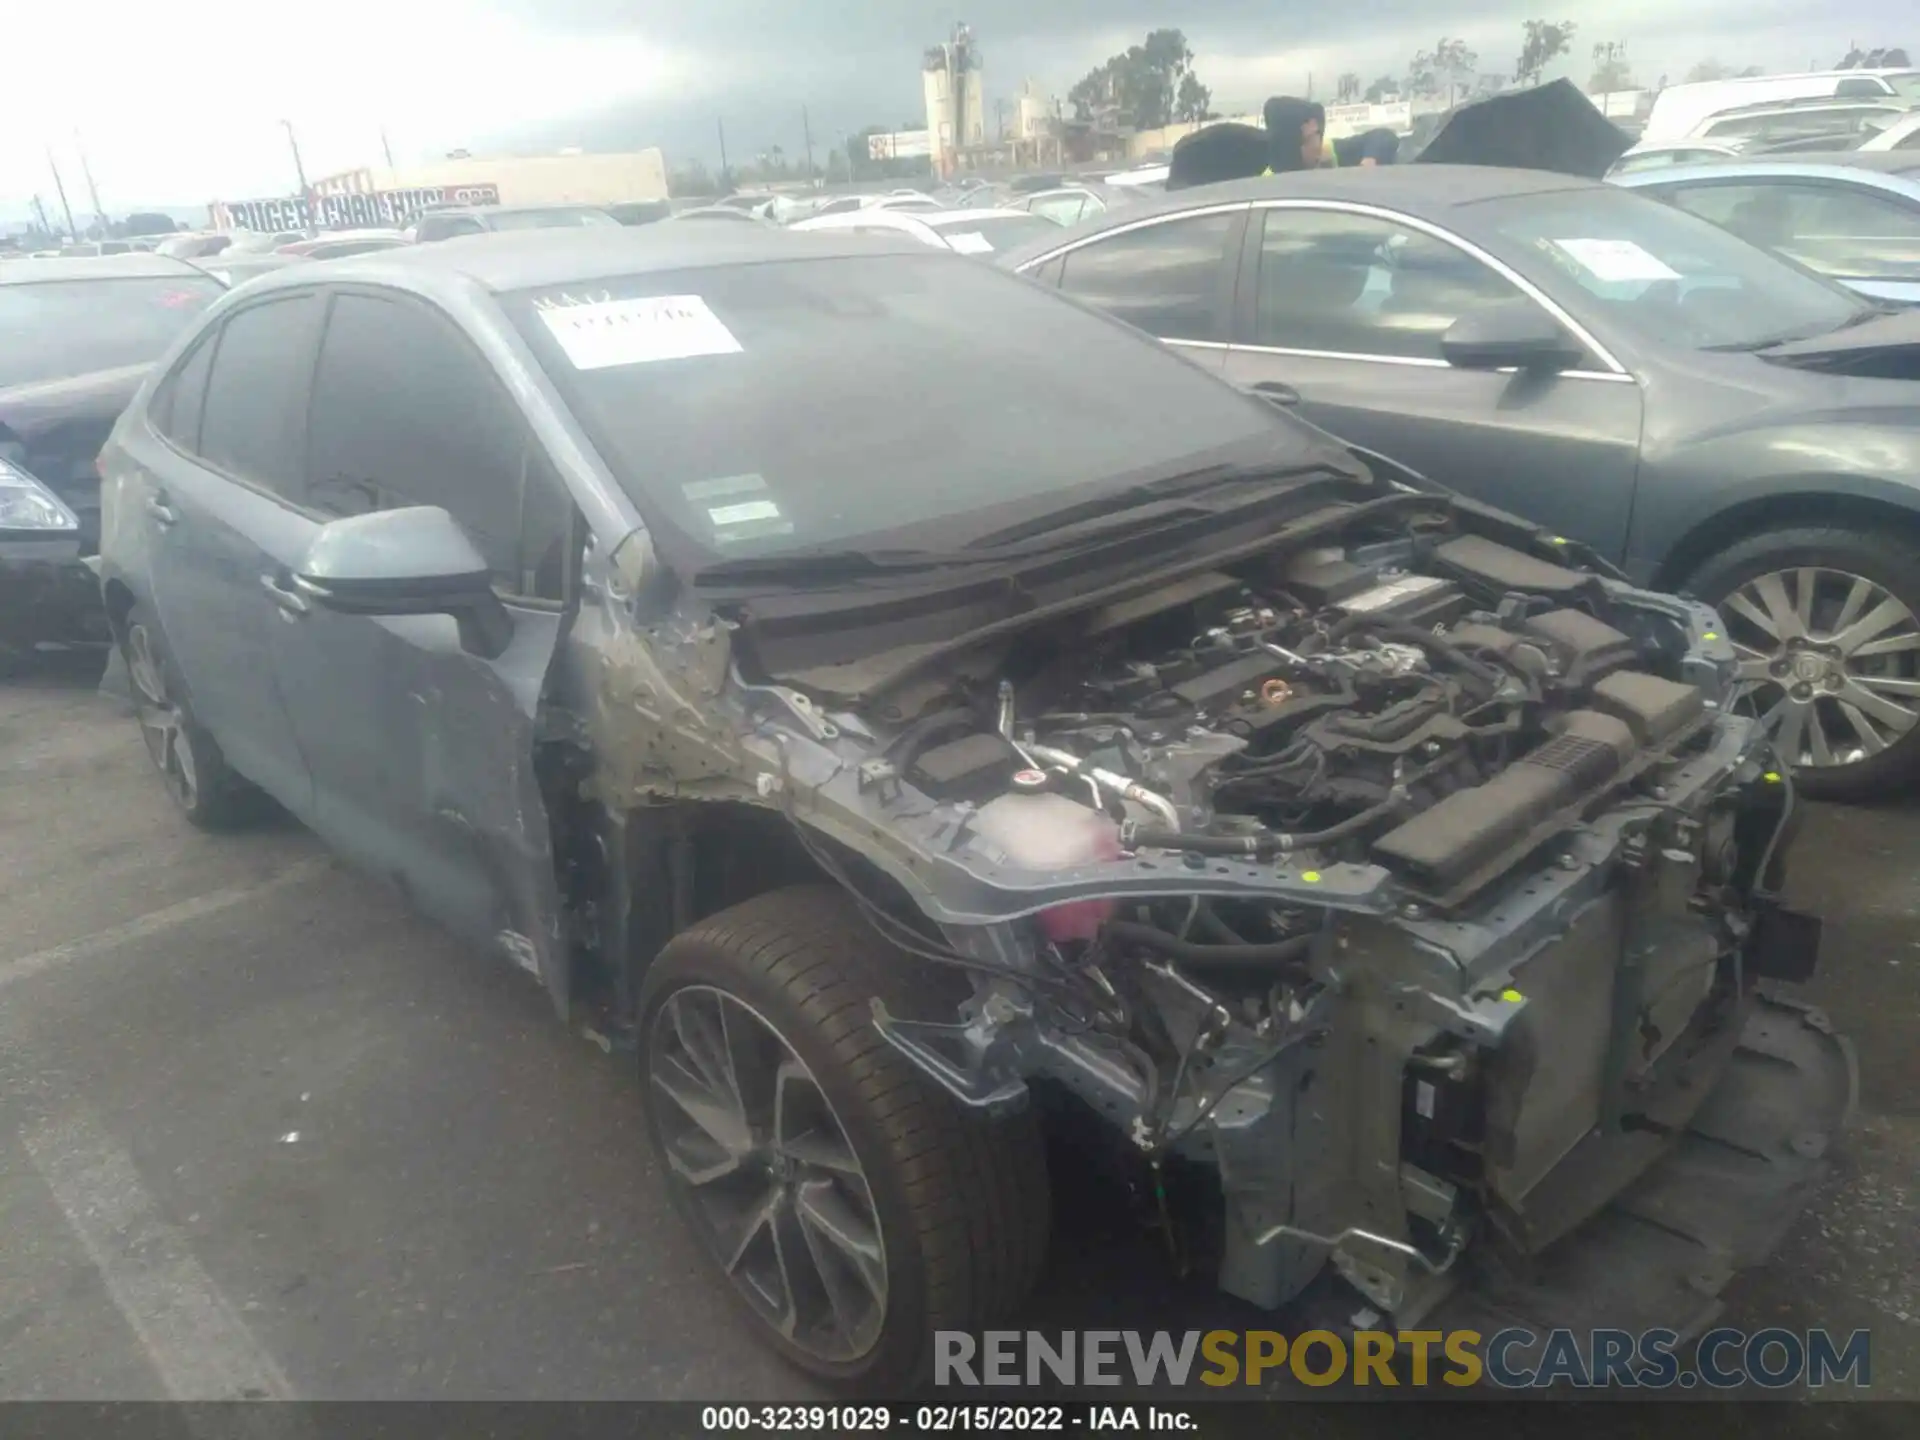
(1829, 660)
(755, 1148)
(160, 723)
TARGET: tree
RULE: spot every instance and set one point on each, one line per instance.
(1858, 59)
(1610, 69)
(1347, 88)
(1386, 88)
(1193, 101)
(691, 180)
(1544, 41)
(1708, 69)
(1446, 70)
(1143, 87)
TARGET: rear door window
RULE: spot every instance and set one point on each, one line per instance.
(1841, 231)
(252, 423)
(1168, 278)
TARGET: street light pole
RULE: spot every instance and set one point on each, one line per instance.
(299, 170)
(61, 186)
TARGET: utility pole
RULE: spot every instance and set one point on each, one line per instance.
(299, 170)
(40, 213)
(806, 129)
(61, 187)
(93, 191)
(386, 147)
(721, 125)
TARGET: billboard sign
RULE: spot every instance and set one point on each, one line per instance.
(901, 145)
(1345, 120)
(377, 208)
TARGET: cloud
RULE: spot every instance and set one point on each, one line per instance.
(184, 104)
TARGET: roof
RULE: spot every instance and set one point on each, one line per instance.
(531, 259)
(508, 209)
(1885, 167)
(1411, 187)
(135, 265)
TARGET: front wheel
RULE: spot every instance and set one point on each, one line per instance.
(1827, 625)
(852, 1206)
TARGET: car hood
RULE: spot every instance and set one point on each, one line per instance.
(25, 409)
(1884, 348)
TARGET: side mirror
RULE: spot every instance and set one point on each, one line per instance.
(413, 561)
(1517, 335)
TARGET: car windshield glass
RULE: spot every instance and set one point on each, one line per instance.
(60, 328)
(549, 219)
(793, 405)
(1665, 274)
(970, 234)
(1906, 85)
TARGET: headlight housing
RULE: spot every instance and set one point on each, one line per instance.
(27, 505)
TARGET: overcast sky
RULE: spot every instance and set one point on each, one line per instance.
(183, 102)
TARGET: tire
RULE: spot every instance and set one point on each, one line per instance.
(959, 1202)
(1843, 698)
(197, 776)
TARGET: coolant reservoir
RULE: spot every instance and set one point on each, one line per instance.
(1051, 832)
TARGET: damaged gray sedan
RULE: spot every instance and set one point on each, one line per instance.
(923, 712)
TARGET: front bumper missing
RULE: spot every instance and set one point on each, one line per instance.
(1659, 1254)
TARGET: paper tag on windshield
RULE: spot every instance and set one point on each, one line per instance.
(638, 332)
(970, 242)
(1617, 260)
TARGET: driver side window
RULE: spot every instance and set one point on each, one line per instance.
(1358, 285)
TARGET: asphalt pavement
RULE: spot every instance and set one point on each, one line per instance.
(262, 1132)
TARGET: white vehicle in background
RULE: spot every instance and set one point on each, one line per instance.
(966, 232)
(1679, 152)
(1903, 134)
(1680, 110)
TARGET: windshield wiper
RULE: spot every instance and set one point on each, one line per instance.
(823, 566)
(1187, 485)
(1859, 317)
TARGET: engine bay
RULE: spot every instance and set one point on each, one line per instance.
(1348, 706)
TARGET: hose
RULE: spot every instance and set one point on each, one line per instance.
(1246, 955)
(1265, 842)
(908, 744)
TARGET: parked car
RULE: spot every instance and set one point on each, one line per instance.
(1714, 419)
(1662, 156)
(195, 245)
(1853, 217)
(1828, 125)
(1679, 110)
(444, 222)
(238, 269)
(865, 757)
(339, 244)
(640, 212)
(970, 232)
(726, 213)
(1902, 134)
(79, 335)
(1070, 204)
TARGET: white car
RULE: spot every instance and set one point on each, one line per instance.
(968, 232)
(1903, 134)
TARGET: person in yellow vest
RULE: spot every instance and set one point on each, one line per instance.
(1296, 135)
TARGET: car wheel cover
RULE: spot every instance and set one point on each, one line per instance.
(764, 1165)
(1829, 660)
(160, 722)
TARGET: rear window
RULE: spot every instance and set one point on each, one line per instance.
(60, 328)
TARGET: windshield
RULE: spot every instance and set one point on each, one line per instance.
(1660, 272)
(1906, 85)
(60, 328)
(802, 404)
(979, 235)
(549, 219)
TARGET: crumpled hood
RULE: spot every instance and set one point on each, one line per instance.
(28, 409)
(1549, 127)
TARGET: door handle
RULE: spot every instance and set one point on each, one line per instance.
(163, 514)
(292, 603)
(1276, 392)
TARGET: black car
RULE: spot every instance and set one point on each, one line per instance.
(79, 336)
(1710, 417)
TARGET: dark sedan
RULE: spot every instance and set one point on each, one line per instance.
(80, 335)
(1712, 418)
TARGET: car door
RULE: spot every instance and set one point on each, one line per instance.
(1865, 238)
(1172, 276)
(421, 751)
(1341, 312)
(220, 478)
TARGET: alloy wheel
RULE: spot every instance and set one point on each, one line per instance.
(161, 724)
(765, 1167)
(1829, 660)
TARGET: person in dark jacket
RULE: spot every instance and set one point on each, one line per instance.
(1296, 131)
(1369, 147)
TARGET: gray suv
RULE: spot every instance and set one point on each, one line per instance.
(915, 707)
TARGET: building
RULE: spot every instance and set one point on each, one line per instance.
(954, 84)
(572, 178)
